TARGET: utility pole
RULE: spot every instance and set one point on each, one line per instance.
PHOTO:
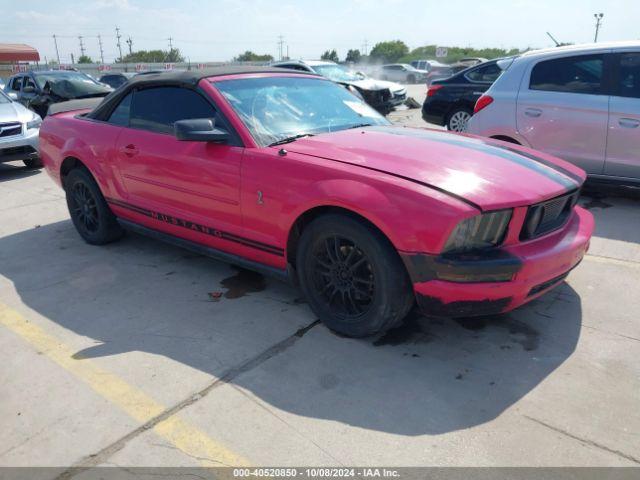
(170, 43)
(55, 40)
(119, 46)
(288, 57)
(280, 46)
(101, 50)
(365, 46)
(81, 46)
(598, 17)
(130, 43)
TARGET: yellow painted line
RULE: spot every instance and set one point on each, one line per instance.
(132, 401)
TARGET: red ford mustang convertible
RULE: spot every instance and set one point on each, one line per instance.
(292, 175)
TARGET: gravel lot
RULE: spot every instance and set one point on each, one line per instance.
(119, 355)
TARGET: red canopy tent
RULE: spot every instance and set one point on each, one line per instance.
(18, 52)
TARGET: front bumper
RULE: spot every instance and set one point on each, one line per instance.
(19, 147)
(398, 98)
(534, 267)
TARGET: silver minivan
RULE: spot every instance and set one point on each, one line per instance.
(580, 103)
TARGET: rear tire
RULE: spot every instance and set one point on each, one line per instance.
(89, 211)
(458, 119)
(352, 276)
(32, 163)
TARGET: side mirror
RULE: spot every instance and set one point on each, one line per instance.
(13, 96)
(28, 89)
(199, 130)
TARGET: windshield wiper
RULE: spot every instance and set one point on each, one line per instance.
(290, 139)
(359, 125)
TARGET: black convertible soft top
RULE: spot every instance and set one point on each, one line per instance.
(185, 78)
(192, 77)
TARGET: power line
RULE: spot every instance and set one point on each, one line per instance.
(101, 51)
(55, 40)
(598, 17)
(119, 45)
(81, 46)
(280, 46)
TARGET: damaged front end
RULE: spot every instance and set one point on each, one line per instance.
(379, 99)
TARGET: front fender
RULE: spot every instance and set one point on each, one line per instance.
(358, 197)
(413, 217)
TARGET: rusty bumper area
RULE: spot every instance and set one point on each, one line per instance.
(435, 307)
(491, 267)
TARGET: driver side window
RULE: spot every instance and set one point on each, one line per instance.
(157, 109)
(120, 115)
(16, 83)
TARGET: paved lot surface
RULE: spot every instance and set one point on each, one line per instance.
(118, 355)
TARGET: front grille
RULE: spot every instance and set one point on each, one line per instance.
(548, 216)
(9, 129)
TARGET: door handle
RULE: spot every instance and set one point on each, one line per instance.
(628, 122)
(130, 150)
(533, 112)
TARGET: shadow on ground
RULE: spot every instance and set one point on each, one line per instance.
(616, 210)
(16, 170)
(426, 377)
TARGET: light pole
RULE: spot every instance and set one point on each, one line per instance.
(598, 17)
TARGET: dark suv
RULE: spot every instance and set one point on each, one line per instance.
(39, 89)
(450, 101)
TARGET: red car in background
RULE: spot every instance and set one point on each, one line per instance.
(290, 174)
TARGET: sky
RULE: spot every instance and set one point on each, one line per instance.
(218, 30)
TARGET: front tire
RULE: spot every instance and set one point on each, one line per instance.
(32, 163)
(458, 119)
(352, 276)
(89, 211)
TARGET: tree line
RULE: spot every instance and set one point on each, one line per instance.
(395, 51)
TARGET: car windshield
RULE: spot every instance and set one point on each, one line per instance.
(336, 73)
(4, 98)
(277, 108)
(70, 84)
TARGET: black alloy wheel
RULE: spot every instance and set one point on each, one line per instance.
(89, 211)
(352, 276)
(343, 276)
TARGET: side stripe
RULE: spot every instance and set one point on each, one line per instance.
(214, 232)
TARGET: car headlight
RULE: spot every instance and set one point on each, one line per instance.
(479, 232)
(34, 123)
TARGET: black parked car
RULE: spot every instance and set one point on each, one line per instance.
(450, 101)
(114, 80)
(39, 89)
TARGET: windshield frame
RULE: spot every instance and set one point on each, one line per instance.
(4, 98)
(261, 141)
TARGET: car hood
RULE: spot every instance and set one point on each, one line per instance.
(372, 84)
(14, 112)
(487, 173)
